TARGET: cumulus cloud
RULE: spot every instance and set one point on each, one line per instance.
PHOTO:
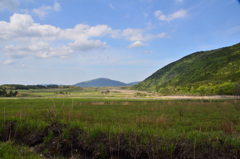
(44, 10)
(22, 26)
(84, 44)
(178, 14)
(27, 38)
(37, 49)
(23, 37)
(137, 44)
(8, 4)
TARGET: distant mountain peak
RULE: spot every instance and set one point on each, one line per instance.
(102, 82)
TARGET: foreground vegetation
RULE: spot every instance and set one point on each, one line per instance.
(104, 128)
(8, 150)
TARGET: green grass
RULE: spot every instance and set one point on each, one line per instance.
(161, 118)
(94, 92)
(197, 121)
(10, 151)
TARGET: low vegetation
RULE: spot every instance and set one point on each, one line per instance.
(105, 128)
(10, 151)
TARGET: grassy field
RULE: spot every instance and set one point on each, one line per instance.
(94, 92)
(101, 127)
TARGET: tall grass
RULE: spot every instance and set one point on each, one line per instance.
(161, 118)
(9, 151)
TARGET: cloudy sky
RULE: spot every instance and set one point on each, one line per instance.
(69, 41)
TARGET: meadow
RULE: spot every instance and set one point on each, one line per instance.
(89, 124)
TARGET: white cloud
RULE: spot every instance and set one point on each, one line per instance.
(44, 10)
(137, 44)
(84, 44)
(37, 49)
(133, 34)
(178, 14)
(82, 31)
(8, 4)
(99, 30)
(22, 31)
(22, 26)
(23, 37)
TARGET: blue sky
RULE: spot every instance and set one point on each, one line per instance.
(69, 41)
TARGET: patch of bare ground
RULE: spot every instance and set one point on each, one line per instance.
(59, 140)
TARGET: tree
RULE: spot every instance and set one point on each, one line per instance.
(15, 93)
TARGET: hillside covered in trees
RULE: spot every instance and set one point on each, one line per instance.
(203, 73)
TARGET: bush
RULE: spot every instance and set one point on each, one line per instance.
(226, 88)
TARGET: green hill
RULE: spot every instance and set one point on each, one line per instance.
(206, 72)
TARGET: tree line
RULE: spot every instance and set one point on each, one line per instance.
(5, 93)
(27, 87)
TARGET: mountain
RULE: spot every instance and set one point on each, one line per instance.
(206, 72)
(102, 82)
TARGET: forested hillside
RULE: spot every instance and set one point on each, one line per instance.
(205, 73)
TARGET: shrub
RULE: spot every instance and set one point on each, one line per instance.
(226, 88)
